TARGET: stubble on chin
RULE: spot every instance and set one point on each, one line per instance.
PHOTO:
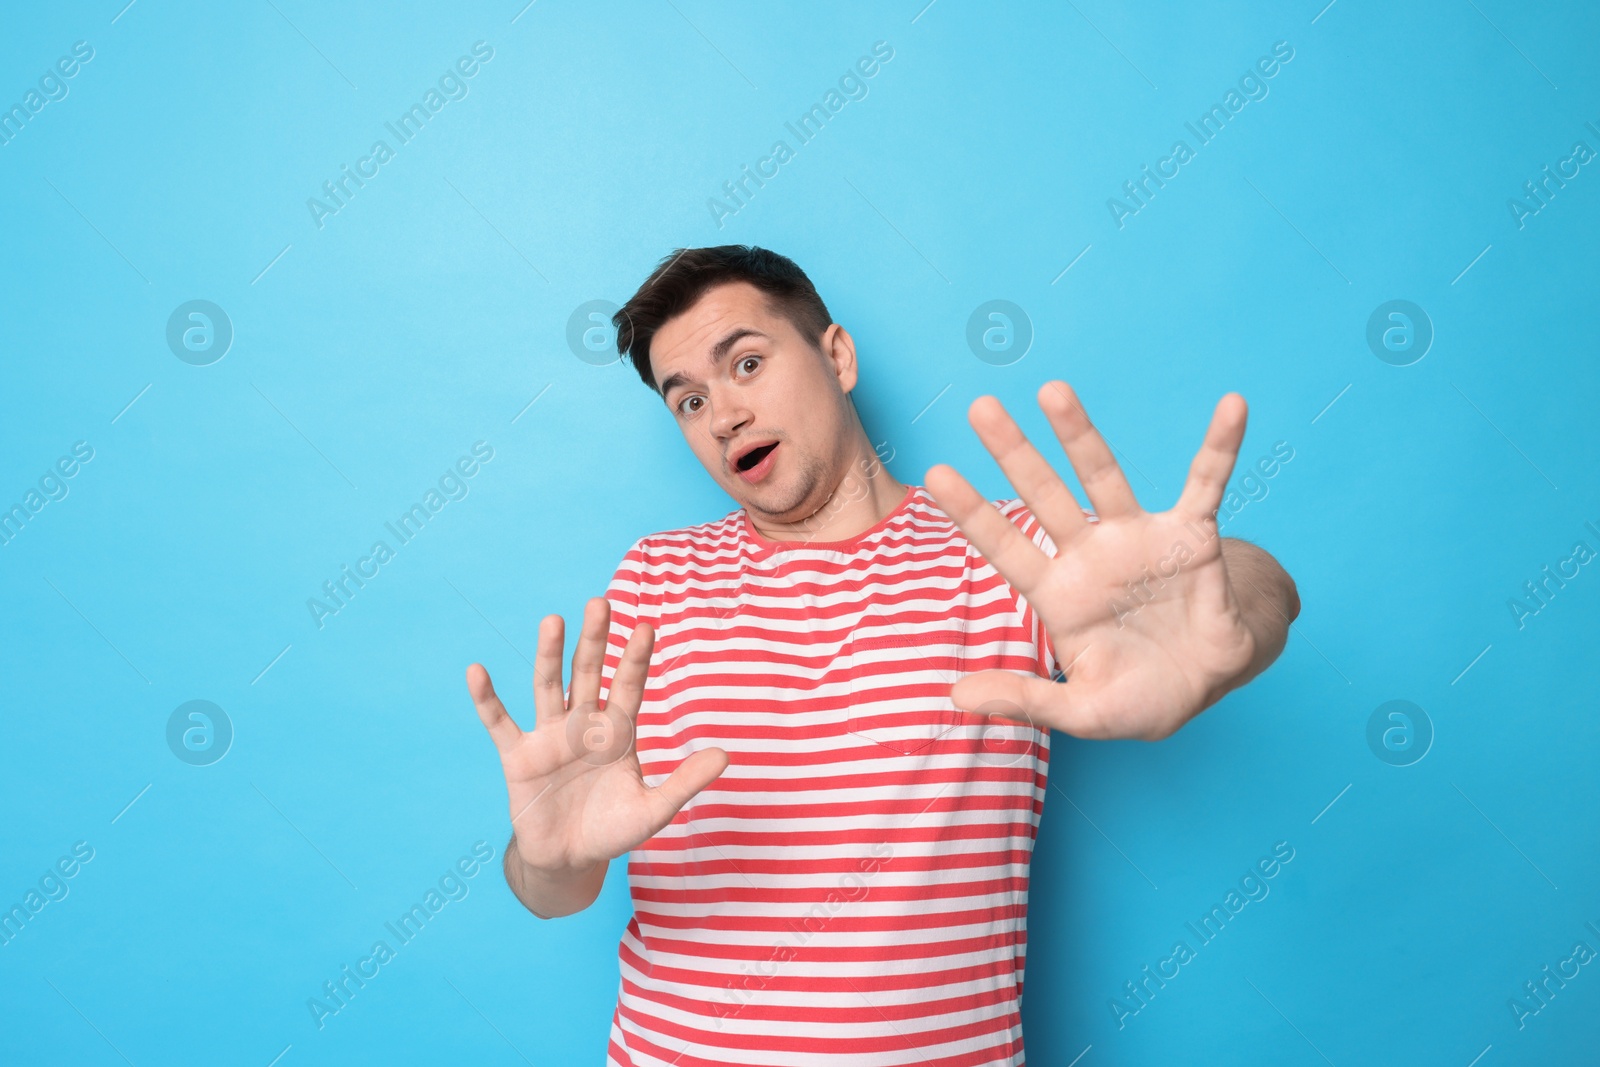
(808, 476)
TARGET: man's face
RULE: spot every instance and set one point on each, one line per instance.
(763, 410)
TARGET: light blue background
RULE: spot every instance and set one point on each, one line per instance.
(429, 311)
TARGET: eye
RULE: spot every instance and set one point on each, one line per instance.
(746, 360)
(684, 407)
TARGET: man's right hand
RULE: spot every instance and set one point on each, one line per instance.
(578, 797)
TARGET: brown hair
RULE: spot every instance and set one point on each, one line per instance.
(682, 278)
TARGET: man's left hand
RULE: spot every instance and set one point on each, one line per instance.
(1145, 621)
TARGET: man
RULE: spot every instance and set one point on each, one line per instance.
(821, 723)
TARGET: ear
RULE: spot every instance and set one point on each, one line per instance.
(839, 349)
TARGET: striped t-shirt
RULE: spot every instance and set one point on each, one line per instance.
(854, 887)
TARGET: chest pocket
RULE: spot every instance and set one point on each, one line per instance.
(901, 663)
(900, 671)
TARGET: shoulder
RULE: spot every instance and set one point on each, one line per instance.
(669, 550)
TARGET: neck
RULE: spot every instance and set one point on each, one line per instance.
(862, 498)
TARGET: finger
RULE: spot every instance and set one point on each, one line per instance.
(1036, 482)
(998, 694)
(1103, 481)
(1019, 561)
(503, 730)
(681, 786)
(590, 654)
(627, 684)
(1213, 464)
(549, 703)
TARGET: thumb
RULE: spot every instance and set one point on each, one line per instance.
(1003, 694)
(681, 786)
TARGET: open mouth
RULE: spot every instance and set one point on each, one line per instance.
(754, 456)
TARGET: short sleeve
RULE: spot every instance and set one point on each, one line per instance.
(625, 593)
(1022, 516)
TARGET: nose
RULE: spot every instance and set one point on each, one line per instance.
(728, 414)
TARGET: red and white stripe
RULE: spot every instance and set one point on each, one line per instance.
(854, 887)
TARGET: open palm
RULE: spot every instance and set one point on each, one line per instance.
(1138, 605)
(577, 795)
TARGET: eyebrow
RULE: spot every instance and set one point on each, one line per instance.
(718, 351)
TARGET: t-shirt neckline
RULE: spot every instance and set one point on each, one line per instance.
(763, 546)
